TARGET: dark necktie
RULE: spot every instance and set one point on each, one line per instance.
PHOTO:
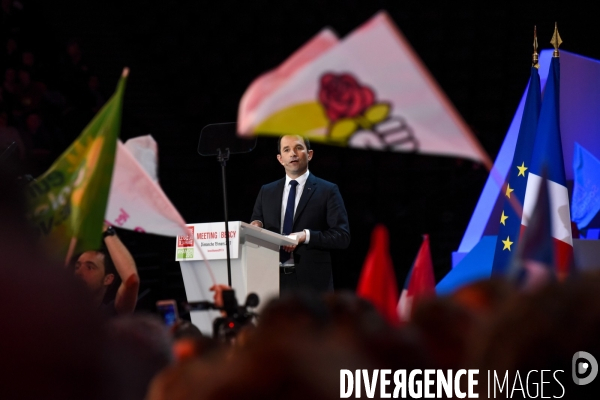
(288, 219)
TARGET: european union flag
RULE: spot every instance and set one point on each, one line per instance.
(516, 180)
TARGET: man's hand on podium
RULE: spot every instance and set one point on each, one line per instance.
(257, 223)
(301, 236)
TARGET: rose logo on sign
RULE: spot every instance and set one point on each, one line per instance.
(356, 117)
(185, 245)
(186, 241)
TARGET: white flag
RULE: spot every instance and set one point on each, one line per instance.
(368, 91)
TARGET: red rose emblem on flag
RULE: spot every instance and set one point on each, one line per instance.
(355, 116)
(343, 97)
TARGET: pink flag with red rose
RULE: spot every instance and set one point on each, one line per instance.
(136, 201)
(369, 90)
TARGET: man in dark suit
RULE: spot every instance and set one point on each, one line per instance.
(316, 214)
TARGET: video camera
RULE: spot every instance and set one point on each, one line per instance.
(227, 327)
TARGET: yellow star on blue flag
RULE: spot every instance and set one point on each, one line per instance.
(503, 218)
(507, 243)
(509, 228)
(522, 169)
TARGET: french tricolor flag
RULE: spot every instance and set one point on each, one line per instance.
(548, 156)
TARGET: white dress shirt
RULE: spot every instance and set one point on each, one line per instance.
(286, 193)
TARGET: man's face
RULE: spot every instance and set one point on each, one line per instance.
(90, 269)
(294, 156)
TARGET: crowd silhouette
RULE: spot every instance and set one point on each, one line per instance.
(45, 101)
(57, 345)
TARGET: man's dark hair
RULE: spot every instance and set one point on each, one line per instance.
(185, 329)
(138, 347)
(305, 139)
(109, 265)
(109, 268)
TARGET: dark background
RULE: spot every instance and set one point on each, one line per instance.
(191, 61)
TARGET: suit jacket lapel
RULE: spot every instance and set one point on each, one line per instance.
(309, 188)
(279, 199)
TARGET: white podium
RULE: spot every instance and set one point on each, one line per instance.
(254, 264)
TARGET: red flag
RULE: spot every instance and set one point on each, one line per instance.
(420, 281)
(377, 282)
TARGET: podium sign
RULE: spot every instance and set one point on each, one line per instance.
(254, 264)
(210, 238)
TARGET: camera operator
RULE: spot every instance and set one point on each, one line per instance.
(234, 317)
(218, 296)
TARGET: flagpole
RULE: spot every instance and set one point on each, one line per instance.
(536, 57)
(71, 250)
(556, 41)
(206, 263)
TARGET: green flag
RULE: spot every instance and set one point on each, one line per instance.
(68, 202)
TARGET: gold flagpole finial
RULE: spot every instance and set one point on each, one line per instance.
(556, 41)
(535, 48)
